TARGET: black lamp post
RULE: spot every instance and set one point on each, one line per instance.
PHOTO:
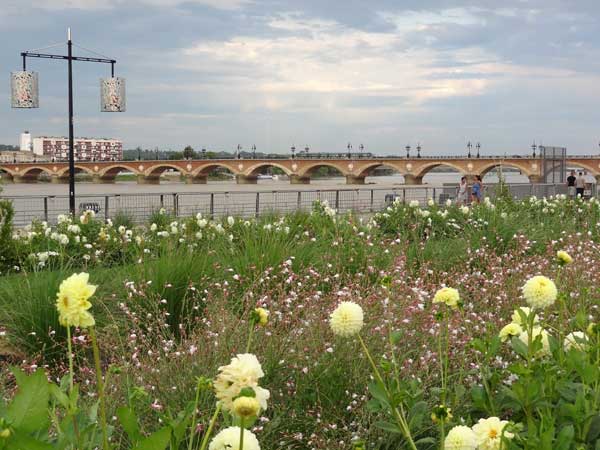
(253, 151)
(407, 151)
(349, 147)
(361, 148)
(306, 150)
(293, 150)
(139, 154)
(203, 153)
(478, 146)
(418, 150)
(239, 147)
(469, 146)
(533, 147)
(24, 87)
(15, 157)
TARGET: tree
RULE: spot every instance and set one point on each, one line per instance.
(189, 152)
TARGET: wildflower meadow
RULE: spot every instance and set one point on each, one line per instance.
(433, 326)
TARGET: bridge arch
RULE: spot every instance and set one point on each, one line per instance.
(310, 169)
(34, 172)
(527, 171)
(206, 169)
(425, 169)
(255, 169)
(585, 165)
(78, 169)
(112, 171)
(367, 169)
(157, 170)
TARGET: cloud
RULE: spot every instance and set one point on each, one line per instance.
(92, 5)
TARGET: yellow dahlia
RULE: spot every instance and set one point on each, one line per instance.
(460, 438)
(563, 258)
(263, 316)
(537, 331)
(516, 317)
(539, 292)
(576, 340)
(510, 330)
(347, 319)
(447, 295)
(72, 301)
(229, 439)
(489, 433)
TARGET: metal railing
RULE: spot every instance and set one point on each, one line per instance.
(139, 207)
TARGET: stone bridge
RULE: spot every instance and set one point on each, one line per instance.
(299, 171)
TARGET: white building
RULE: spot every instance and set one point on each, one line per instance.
(25, 144)
(86, 149)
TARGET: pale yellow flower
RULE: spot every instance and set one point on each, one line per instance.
(72, 301)
(263, 316)
(246, 407)
(576, 340)
(347, 319)
(460, 438)
(537, 331)
(243, 371)
(489, 433)
(510, 330)
(448, 296)
(539, 292)
(563, 258)
(229, 439)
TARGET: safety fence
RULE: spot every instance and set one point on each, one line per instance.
(139, 207)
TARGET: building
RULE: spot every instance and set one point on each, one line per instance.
(25, 145)
(21, 157)
(86, 149)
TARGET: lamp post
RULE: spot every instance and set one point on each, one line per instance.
(349, 147)
(418, 150)
(15, 157)
(156, 151)
(293, 149)
(533, 147)
(407, 151)
(361, 148)
(239, 148)
(306, 150)
(253, 151)
(139, 154)
(203, 153)
(469, 146)
(478, 146)
(25, 94)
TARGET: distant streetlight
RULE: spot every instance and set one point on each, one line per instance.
(306, 150)
(361, 148)
(139, 154)
(239, 148)
(533, 147)
(418, 150)
(478, 146)
(156, 150)
(407, 151)
(15, 157)
(293, 149)
(25, 94)
(469, 146)
(349, 147)
(253, 151)
(203, 153)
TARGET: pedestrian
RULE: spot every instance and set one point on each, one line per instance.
(571, 179)
(477, 189)
(580, 185)
(462, 196)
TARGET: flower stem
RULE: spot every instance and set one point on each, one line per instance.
(250, 333)
(397, 415)
(193, 430)
(100, 383)
(71, 376)
(211, 425)
(241, 434)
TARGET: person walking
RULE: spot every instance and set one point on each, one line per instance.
(571, 179)
(462, 196)
(476, 189)
(580, 185)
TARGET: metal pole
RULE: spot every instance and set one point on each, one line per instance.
(46, 209)
(257, 203)
(71, 149)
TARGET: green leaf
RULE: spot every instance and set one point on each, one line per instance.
(59, 396)
(388, 426)
(21, 441)
(129, 422)
(156, 441)
(565, 438)
(519, 347)
(29, 409)
(395, 337)
(594, 431)
(426, 440)
(378, 392)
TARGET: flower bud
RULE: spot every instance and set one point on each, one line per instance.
(246, 407)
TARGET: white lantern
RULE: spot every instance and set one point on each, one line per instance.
(24, 89)
(112, 94)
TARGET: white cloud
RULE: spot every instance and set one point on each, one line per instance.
(56, 5)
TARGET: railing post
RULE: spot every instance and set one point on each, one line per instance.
(212, 205)
(175, 205)
(403, 195)
(434, 200)
(371, 208)
(299, 200)
(162, 201)
(106, 207)
(46, 209)
(337, 199)
(257, 203)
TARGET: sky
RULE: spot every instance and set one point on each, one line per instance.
(317, 73)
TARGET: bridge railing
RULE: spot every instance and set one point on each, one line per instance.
(139, 207)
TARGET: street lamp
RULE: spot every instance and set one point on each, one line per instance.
(349, 147)
(306, 150)
(239, 148)
(469, 146)
(15, 157)
(293, 149)
(25, 94)
(139, 154)
(203, 153)
(407, 151)
(418, 150)
(533, 147)
(361, 148)
(478, 146)
(253, 151)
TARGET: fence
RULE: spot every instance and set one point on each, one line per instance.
(252, 204)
